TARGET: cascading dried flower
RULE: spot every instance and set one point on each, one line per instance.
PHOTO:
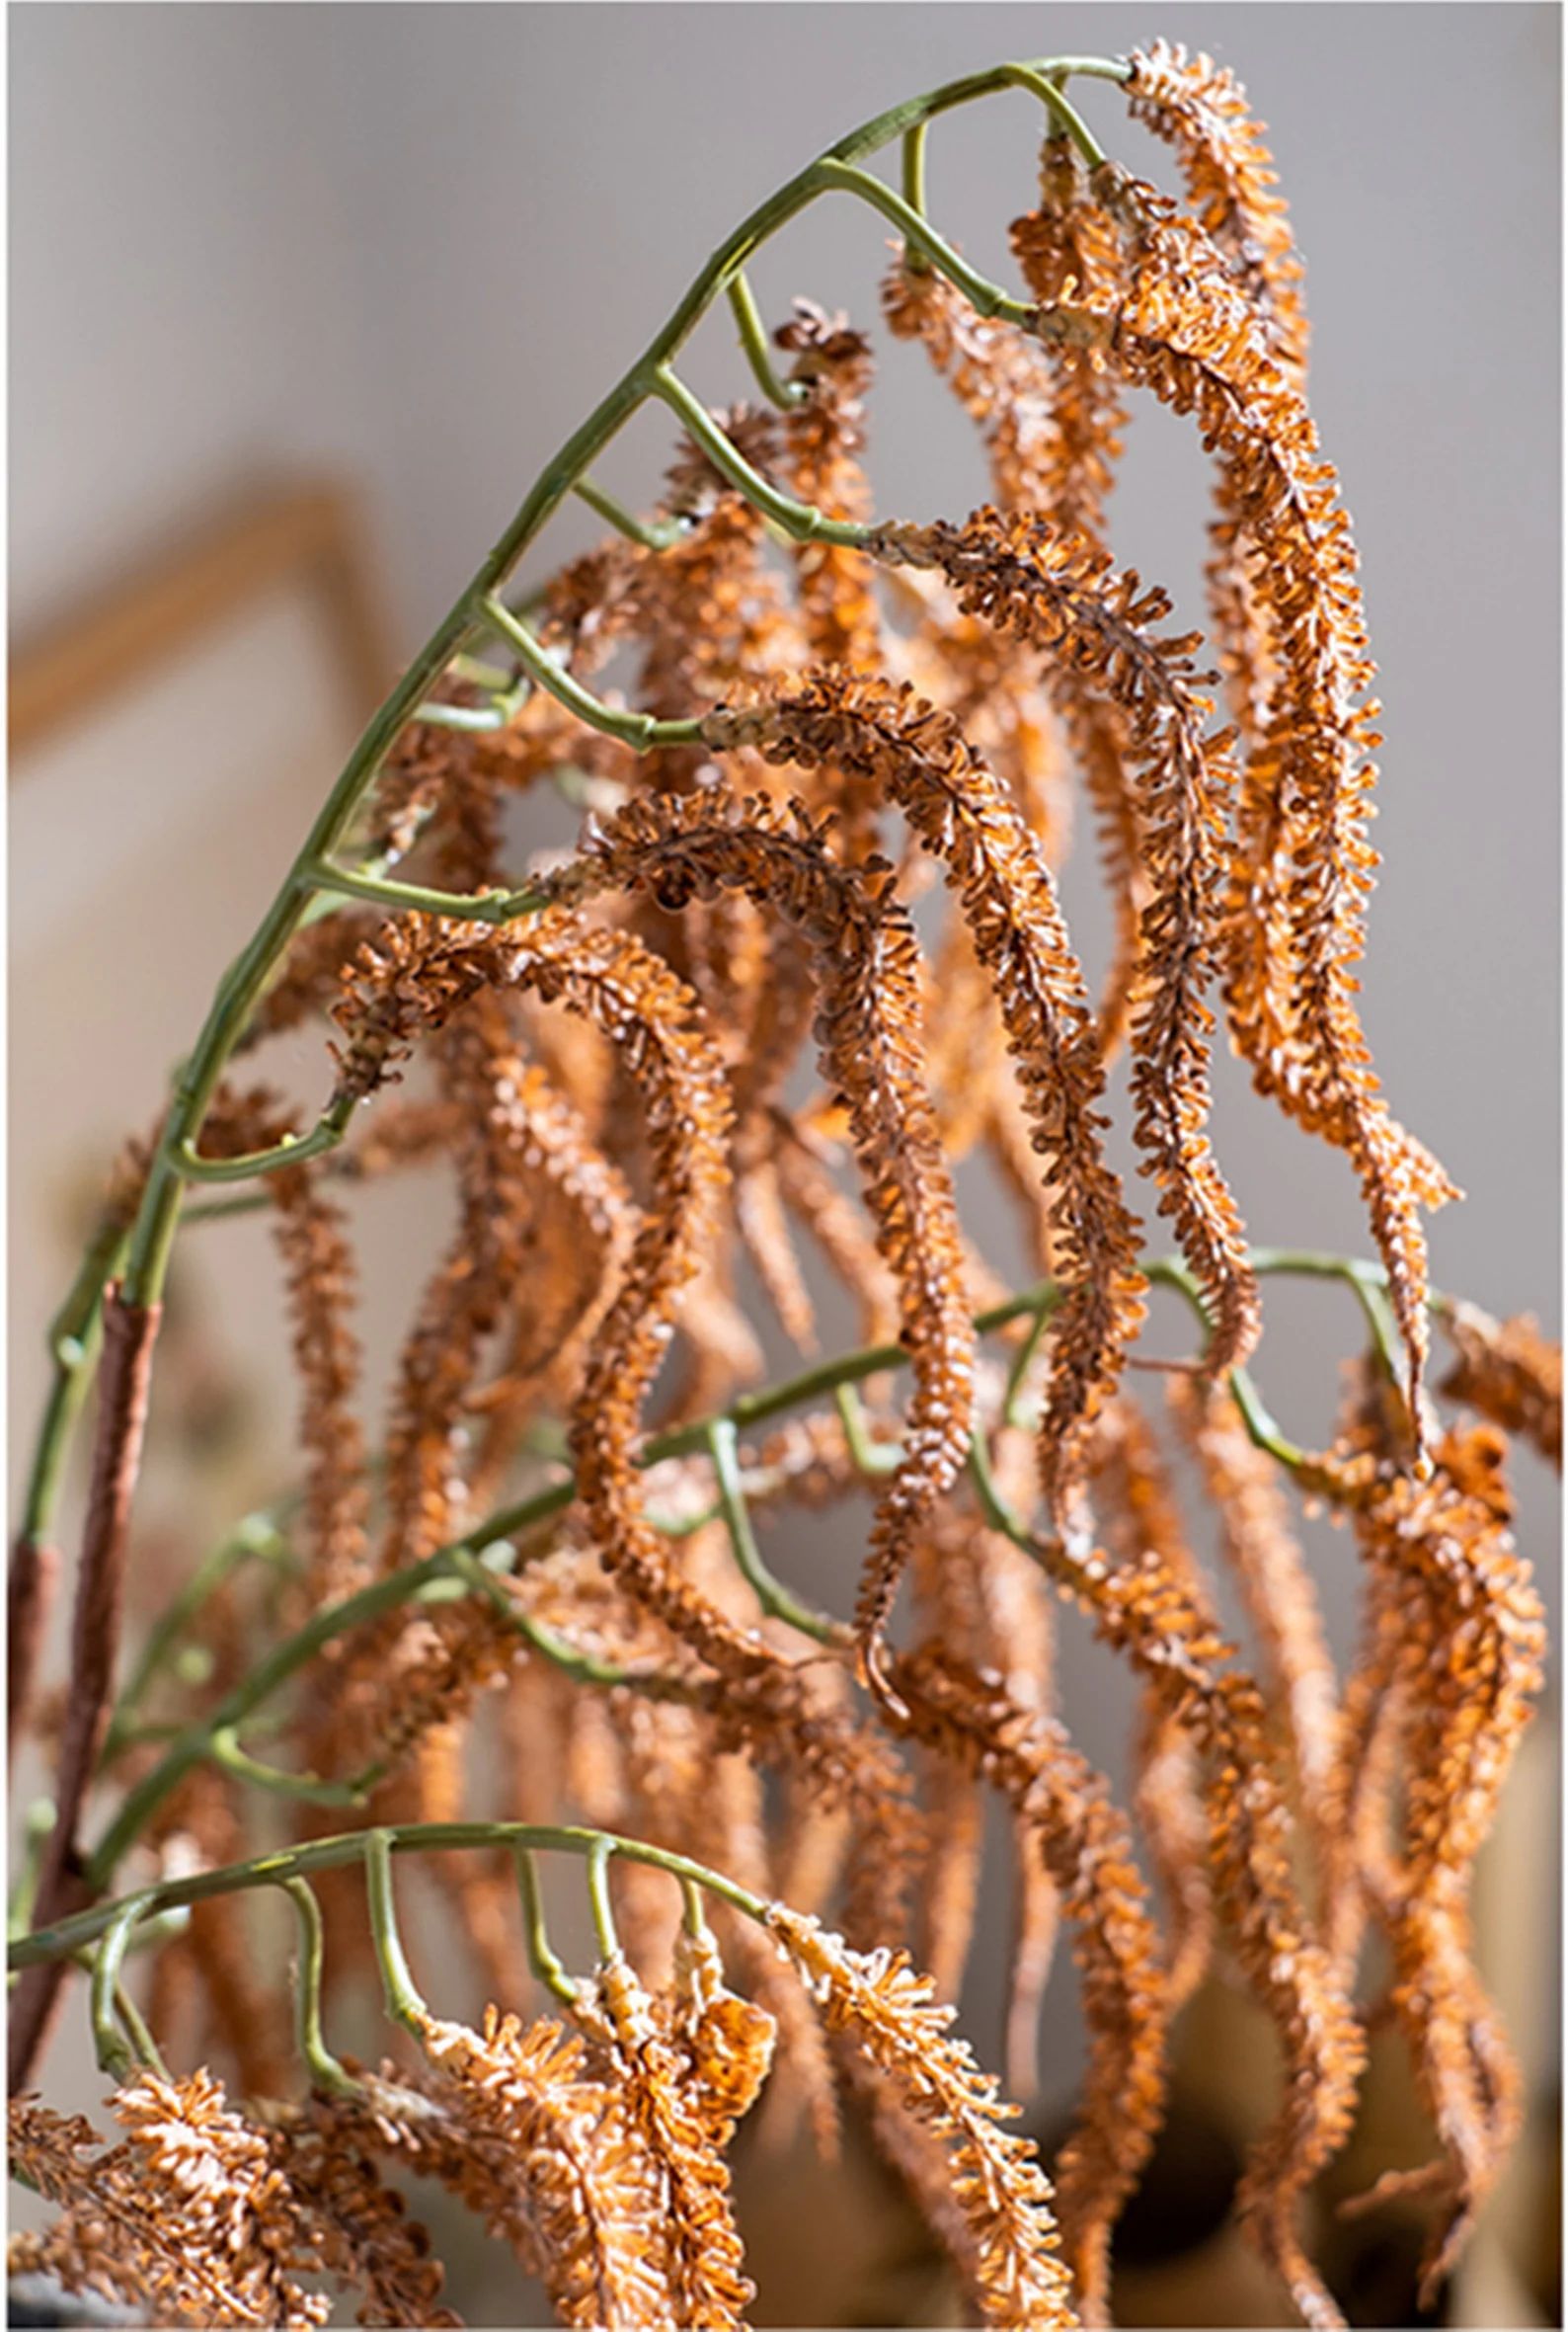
(907, 751)
(578, 2188)
(119, 2238)
(997, 2185)
(1509, 1372)
(1258, 1544)
(367, 2239)
(569, 1619)
(1087, 1849)
(1070, 603)
(692, 2217)
(1143, 1610)
(1184, 330)
(869, 1030)
(1200, 111)
(1135, 1514)
(1467, 1664)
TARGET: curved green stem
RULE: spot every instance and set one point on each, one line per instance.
(988, 298)
(258, 1536)
(326, 2073)
(656, 534)
(600, 1907)
(307, 1788)
(754, 341)
(913, 172)
(404, 2003)
(478, 720)
(471, 907)
(74, 1336)
(293, 1149)
(1043, 83)
(775, 1597)
(114, 2056)
(583, 1667)
(374, 1851)
(639, 730)
(542, 1958)
(801, 521)
(37, 1830)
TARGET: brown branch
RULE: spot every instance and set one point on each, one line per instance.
(129, 1333)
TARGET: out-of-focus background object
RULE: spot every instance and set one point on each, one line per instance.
(307, 535)
(302, 299)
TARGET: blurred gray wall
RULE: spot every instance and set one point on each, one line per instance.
(421, 241)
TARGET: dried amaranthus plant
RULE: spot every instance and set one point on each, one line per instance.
(532, 1615)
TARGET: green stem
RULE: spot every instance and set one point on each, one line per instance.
(1022, 1362)
(114, 2056)
(775, 1597)
(986, 298)
(583, 1667)
(542, 1959)
(292, 1151)
(658, 536)
(639, 730)
(601, 1910)
(373, 1849)
(38, 1831)
(142, 2040)
(913, 174)
(801, 521)
(753, 339)
(326, 2073)
(1042, 83)
(257, 1535)
(404, 2003)
(307, 1788)
(74, 1336)
(868, 1458)
(472, 906)
(1260, 1425)
(477, 719)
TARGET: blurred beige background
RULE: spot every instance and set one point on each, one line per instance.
(409, 246)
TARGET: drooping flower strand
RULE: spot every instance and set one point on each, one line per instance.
(1184, 330)
(1260, 1548)
(1087, 1846)
(369, 2241)
(1069, 605)
(682, 2133)
(1133, 1502)
(189, 2208)
(870, 1033)
(547, 2150)
(1508, 1371)
(998, 2188)
(1200, 109)
(1144, 1612)
(425, 971)
(1467, 1656)
(823, 436)
(911, 754)
(1063, 247)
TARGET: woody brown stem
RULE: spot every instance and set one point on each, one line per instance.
(129, 1333)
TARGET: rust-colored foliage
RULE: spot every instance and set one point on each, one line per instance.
(557, 1602)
